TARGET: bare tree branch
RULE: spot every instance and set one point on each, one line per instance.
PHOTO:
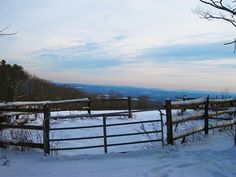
(232, 42)
(207, 15)
(219, 10)
(3, 33)
(220, 5)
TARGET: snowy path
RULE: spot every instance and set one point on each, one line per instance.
(213, 156)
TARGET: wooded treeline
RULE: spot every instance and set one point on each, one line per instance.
(18, 85)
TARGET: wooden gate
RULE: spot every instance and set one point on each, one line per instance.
(105, 134)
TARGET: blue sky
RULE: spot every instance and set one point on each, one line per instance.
(147, 43)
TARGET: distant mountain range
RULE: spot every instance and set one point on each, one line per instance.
(153, 93)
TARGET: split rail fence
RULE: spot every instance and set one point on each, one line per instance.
(16, 109)
(207, 110)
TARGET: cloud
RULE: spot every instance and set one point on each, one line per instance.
(110, 54)
(185, 52)
(136, 42)
(66, 62)
(120, 37)
(225, 63)
(180, 66)
(85, 56)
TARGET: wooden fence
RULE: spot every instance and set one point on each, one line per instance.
(47, 107)
(207, 110)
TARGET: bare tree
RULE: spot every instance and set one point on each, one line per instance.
(220, 10)
(3, 32)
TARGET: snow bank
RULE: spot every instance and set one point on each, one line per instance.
(213, 156)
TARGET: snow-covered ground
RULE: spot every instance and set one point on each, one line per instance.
(206, 156)
(212, 156)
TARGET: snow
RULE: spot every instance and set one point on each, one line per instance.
(196, 128)
(26, 103)
(188, 102)
(133, 128)
(227, 111)
(223, 100)
(88, 132)
(202, 100)
(208, 156)
(212, 156)
(192, 115)
(222, 123)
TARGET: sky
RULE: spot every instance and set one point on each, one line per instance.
(144, 43)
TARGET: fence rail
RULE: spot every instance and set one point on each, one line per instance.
(22, 144)
(84, 104)
(29, 127)
(12, 142)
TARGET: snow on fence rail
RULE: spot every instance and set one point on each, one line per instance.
(207, 112)
(79, 104)
(32, 103)
(197, 101)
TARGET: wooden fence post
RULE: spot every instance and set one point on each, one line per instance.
(162, 129)
(206, 116)
(232, 105)
(89, 106)
(129, 107)
(46, 129)
(169, 122)
(184, 108)
(235, 134)
(104, 133)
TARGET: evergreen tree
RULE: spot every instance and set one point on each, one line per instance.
(12, 77)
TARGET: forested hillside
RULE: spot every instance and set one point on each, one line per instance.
(16, 85)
